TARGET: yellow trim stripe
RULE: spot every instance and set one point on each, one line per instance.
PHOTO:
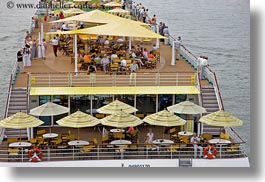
(114, 90)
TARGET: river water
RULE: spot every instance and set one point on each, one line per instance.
(218, 29)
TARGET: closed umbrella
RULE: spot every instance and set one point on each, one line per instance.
(49, 109)
(164, 118)
(78, 120)
(20, 120)
(121, 119)
(221, 118)
(115, 106)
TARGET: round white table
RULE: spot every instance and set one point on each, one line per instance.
(116, 130)
(50, 135)
(220, 142)
(162, 142)
(185, 133)
(20, 144)
(78, 143)
(121, 142)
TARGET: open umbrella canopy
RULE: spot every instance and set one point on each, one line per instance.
(221, 118)
(78, 120)
(164, 118)
(121, 119)
(119, 11)
(49, 109)
(116, 106)
(113, 4)
(20, 120)
(73, 11)
(186, 107)
(127, 28)
(96, 17)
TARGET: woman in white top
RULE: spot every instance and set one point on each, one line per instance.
(149, 136)
(43, 47)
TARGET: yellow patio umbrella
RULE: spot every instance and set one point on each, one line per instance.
(121, 119)
(126, 28)
(119, 11)
(78, 120)
(186, 107)
(72, 11)
(116, 106)
(49, 109)
(20, 120)
(96, 17)
(221, 118)
(113, 4)
(164, 118)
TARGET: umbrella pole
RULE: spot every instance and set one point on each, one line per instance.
(20, 135)
(78, 134)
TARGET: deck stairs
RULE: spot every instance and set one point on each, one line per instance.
(17, 103)
(210, 103)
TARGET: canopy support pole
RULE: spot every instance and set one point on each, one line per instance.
(75, 47)
(130, 43)
(41, 30)
(173, 61)
(40, 47)
(157, 43)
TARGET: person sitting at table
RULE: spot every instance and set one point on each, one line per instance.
(149, 136)
(130, 129)
(105, 62)
(92, 68)
(195, 141)
(224, 135)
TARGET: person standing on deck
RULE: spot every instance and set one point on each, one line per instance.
(20, 60)
(26, 56)
(178, 43)
(55, 46)
(203, 64)
(34, 50)
(43, 47)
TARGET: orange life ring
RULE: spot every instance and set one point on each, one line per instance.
(35, 155)
(210, 152)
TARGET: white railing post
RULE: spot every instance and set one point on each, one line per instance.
(49, 80)
(173, 60)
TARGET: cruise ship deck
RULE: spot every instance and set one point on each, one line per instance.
(152, 89)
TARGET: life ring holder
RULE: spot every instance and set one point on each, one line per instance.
(210, 152)
(35, 155)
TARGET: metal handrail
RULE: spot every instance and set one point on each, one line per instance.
(217, 92)
(142, 79)
(103, 152)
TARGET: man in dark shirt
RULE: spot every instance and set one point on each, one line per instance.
(20, 60)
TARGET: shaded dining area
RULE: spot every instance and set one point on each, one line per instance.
(123, 135)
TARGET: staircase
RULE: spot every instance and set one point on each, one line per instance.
(17, 103)
(210, 103)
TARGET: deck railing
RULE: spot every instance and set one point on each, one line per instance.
(97, 80)
(12, 80)
(211, 77)
(110, 152)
